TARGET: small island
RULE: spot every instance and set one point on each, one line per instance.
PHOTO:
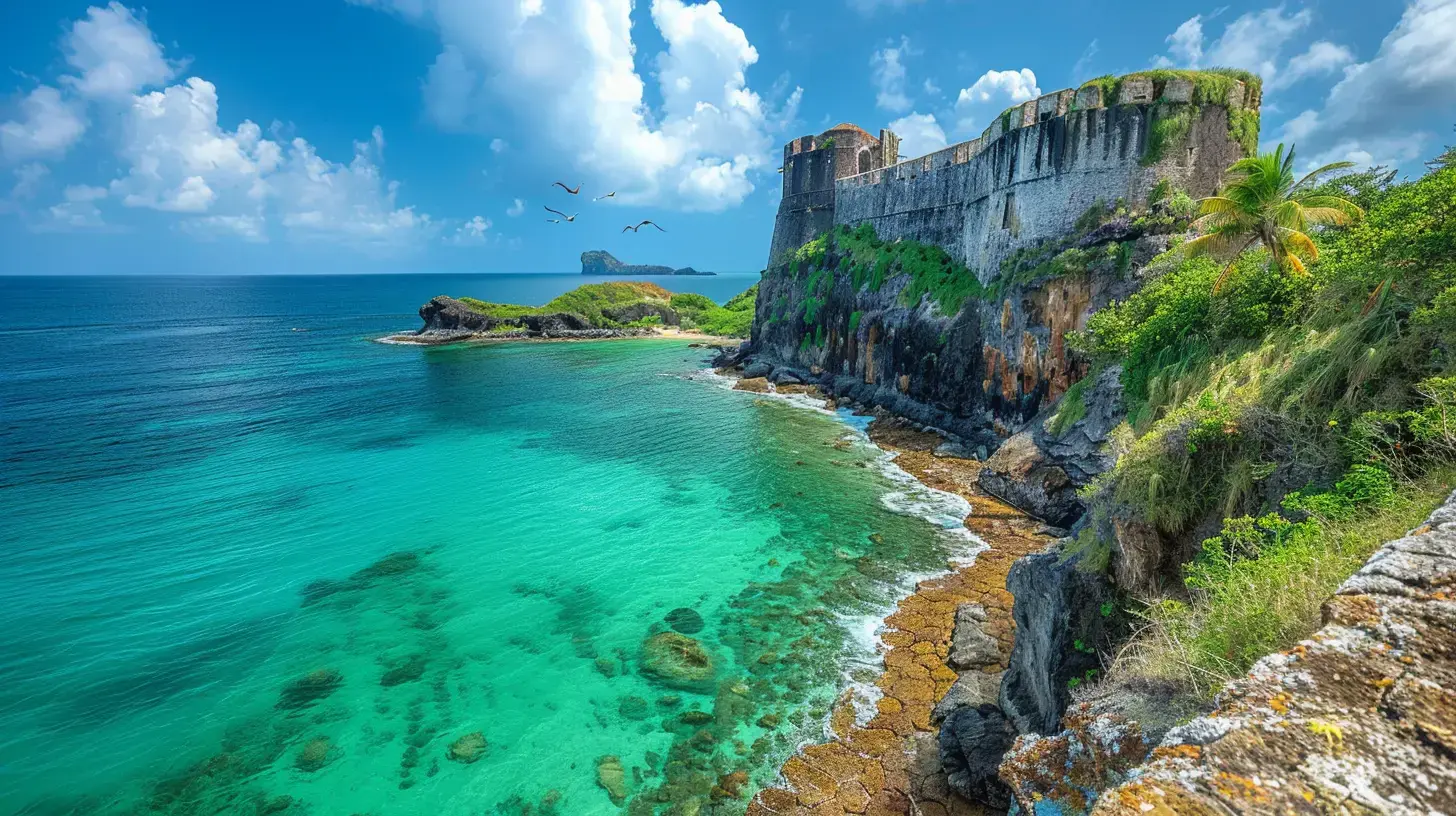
(596, 311)
(601, 262)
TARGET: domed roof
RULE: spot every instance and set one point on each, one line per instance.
(847, 127)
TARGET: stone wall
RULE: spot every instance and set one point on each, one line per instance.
(983, 199)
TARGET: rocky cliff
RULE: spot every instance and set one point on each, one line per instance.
(448, 320)
(601, 262)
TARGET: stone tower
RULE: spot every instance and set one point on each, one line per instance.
(812, 165)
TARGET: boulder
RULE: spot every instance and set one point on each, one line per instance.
(677, 660)
(756, 369)
(970, 646)
(612, 778)
(556, 323)
(972, 742)
(446, 314)
(1063, 614)
(630, 312)
(468, 748)
(758, 385)
(784, 376)
(972, 689)
(1041, 472)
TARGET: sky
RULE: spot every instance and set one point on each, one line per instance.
(370, 136)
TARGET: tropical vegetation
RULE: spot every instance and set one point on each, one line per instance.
(595, 302)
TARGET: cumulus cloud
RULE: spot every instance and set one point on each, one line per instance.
(176, 157)
(28, 178)
(569, 70)
(887, 72)
(1255, 41)
(498, 145)
(1374, 114)
(919, 134)
(994, 88)
(472, 233)
(114, 53)
(1322, 57)
(517, 207)
(47, 126)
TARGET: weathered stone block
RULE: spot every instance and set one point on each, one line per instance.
(1028, 114)
(1178, 90)
(1136, 91)
(1089, 97)
(1236, 97)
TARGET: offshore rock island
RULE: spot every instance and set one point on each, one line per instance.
(601, 262)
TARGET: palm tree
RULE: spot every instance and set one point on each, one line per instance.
(1262, 203)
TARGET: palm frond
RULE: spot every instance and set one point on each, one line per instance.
(1322, 171)
(1298, 243)
(1327, 215)
(1228, 268)
(1217, 204)
(1375, 297)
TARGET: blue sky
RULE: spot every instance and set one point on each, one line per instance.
(336, 136)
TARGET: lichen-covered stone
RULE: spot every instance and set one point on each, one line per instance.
(1357, 719)
(677, 660)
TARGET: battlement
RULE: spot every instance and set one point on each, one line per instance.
(1031, 171)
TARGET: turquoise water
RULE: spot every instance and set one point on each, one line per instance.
(202, 505)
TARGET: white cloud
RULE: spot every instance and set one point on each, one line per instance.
(78, 210)
(1253, 41)
(569, 69)
(887, 72)
(251, 228)
(472, 233)
(47, 127)
(993, 89)
(517, 207)
(449, 91)
(1322, 57)
(28, 178)
(919, 134)
(115, 53)
(930, 88)
(498, 146)
(1376, 111)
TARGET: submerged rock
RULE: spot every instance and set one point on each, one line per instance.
(677, 660)
(685, 620)
(632, 708)
(468, 748)
(314, 755)
(612, 778)
(412, 669)
(309, 689)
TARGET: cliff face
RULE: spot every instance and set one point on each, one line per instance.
(601, 262)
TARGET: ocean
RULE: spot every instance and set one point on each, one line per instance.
(254, 562)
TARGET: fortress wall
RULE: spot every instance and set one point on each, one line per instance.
(982, 200)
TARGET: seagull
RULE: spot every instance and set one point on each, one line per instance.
(608, 195)
(574, 191)
(553, 220)
(560, 213)
(640, 226)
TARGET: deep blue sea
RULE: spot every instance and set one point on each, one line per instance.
(254, 562)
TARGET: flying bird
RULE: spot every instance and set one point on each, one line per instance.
(608, 195)
(553, 220)
(571, 217)
(571, 190)
(640, 226)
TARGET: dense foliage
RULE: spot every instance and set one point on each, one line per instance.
(1314, 414)
(732, 319)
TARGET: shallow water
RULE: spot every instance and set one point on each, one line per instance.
(202, 506)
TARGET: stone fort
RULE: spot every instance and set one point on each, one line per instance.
(1025, 179)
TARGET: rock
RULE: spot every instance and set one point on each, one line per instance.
(636, 311)
(972, 742)
(408, 671)
(612, 778)
(954, 450)
(971, 647)
(758, 385)
(1063, 614)
(669, 701)
(695, 718)
(1041, 472)
(1053, 532)
(684, 620)
(468, 748)
(309, 689)
(314, 755)
(972, 688)
(677, 660)
(277, 804)
(632, 708)
(757, 369)
(606, 666)
(1067, 772)
(783, 376)
(729, 356)
(557, 324)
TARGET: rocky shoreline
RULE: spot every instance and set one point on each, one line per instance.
(448, 320)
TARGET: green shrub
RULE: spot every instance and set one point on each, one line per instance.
(1072, 407)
